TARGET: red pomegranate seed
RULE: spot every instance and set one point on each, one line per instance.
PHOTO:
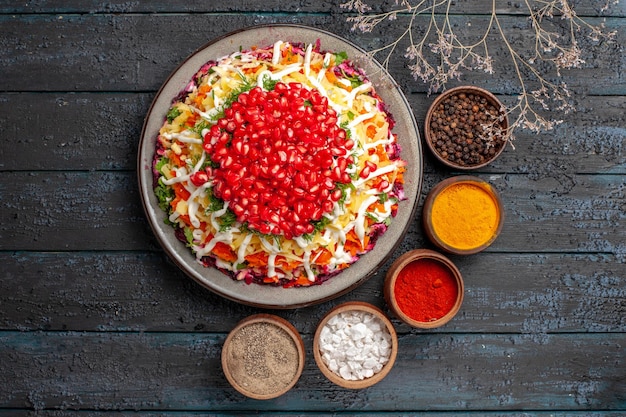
(199, 178)
(280, 159)
(372, 166)
(336, 195)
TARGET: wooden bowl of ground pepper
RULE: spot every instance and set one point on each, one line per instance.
(463, 215)
(424, 289)
(466, 128)
(263, 356)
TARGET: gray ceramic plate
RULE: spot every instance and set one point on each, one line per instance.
(267, 296)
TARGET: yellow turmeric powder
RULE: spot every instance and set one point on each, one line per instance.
(465, 215)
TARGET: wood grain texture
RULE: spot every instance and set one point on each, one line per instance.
(275, 6)
(168, 371)
(102, 130)
(95, 320)
(66, 413)
(60, 211)
(138, 52)
(110, 291)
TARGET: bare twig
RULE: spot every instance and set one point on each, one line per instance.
(439, 55)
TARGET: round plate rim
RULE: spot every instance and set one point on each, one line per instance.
(215, 280)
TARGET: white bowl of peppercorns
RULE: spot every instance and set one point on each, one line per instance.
(466, 127)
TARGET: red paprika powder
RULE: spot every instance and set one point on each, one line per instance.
(425, 290)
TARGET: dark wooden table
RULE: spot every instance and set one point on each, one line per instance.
(96, 320)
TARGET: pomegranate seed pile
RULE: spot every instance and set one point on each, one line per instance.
(278, 165)
(281, 155)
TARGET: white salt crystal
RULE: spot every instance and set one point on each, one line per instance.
(345, 372)
(358, 331)
(369, 363)
(351, 351)
(355, 345)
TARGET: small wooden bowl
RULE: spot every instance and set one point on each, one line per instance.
(431, 138)
(427, 214)
(415, 256)
(234, 360)
(363, 383)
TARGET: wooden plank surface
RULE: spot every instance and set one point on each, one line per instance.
(96, 320)
(101, 210)
(274, 6)
(103, 131)
(113, 52)
(166, 371)
(119, 291)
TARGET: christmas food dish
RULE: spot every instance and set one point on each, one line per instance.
(278, 164)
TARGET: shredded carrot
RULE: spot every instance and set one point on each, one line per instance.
(181, 191)
(331, 77)
(203, 90)
(175, 159)
(185, 218)
(191, 120)
(317, 67)
(353, 243)
(378, 206)
(302, 281)
(382, 155)
(223, 251)
(400, 175)
(289, 57)
(323, 258)
(284, 264)
(175, 202)
(258, 259)
(371, 131)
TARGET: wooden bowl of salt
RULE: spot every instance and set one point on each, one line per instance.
(355, 345)
(263, 356)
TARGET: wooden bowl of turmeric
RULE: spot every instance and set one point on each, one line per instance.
(463, 215)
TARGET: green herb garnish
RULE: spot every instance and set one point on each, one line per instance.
(268, 83)
(340, 57)
(165, 195)
(246, 85)
(200, 126)
(215, 203)
(226, 220)
(188, 235)
(173, 113)
(159, 165)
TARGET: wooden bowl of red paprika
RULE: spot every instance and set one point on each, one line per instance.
(424, 289)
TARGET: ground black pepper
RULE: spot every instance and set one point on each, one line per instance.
(466, 129)
(263, 358)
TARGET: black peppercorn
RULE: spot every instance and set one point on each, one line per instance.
(466, 130)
